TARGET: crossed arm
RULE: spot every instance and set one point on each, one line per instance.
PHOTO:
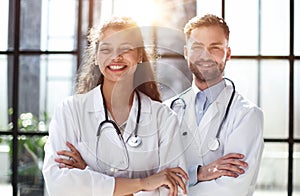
(170, 177)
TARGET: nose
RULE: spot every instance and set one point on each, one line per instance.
(205, 54)
(117, 55)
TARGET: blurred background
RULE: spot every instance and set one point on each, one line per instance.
(41, 47)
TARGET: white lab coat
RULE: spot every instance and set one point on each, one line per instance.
(242, 133)
(77, 119)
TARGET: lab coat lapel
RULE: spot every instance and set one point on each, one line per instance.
(189, 116)
(214, 114)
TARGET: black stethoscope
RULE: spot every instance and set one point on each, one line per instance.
(213, 144)
(133, 140)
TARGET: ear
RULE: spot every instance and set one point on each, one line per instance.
(185, 52)
(140, 55)
(228, 54)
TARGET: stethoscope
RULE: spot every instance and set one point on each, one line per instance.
(213, 144)
(133, 140)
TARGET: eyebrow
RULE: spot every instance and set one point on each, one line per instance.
(212, 44)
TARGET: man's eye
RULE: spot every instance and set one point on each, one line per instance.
(215, 48)
(197, 48)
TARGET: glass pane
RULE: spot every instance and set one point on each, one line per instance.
(58, 34)
(297, 27)
(208, 6)
(3, 24)
(29, 82)
(30, 30)
(275, 27)
(44, 81)
(296, 172)
(136, 10)
(244, 74)
(173, 76)
(272, 177)
(3, 93)
(5, 166)
(30, 161)
(297, 99)
(56, 80)
(275, 97)
(243, 25)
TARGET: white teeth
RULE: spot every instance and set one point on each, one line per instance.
(116, 67)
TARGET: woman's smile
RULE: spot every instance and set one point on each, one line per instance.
(116, 67)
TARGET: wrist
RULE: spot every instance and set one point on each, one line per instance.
(139, 184)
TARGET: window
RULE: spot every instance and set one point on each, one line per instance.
(38, 59)
(265, 68)
(41, 48)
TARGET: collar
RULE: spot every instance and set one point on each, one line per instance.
(212, 92)
(94, 101)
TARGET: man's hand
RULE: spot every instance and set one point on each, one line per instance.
(229, 165)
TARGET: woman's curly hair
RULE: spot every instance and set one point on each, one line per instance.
(89, 75)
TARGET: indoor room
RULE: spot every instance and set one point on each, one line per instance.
(42, 48)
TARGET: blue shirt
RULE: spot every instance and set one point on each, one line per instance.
(211, 93)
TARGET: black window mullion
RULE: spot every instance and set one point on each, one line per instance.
(15, 10)
(79, 34)
(291, 102)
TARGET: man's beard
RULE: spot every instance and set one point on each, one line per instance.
(206, 75)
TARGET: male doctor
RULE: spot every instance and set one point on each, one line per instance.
(224, 163)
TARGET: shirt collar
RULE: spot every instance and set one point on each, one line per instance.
(212, 92)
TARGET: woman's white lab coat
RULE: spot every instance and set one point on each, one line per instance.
(242, 132)
(77, 119)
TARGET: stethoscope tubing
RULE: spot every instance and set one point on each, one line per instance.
(134, 133)
(227, 108)
(217, 138)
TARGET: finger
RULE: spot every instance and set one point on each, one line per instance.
(235, 162)
(233, 156)
(65, 153)
(64, 161)
(180, 171)
(62, 165)
(172, 186)
(71, 155)
(179, 181)
(72, 148)
(227, 173)
(231, 168)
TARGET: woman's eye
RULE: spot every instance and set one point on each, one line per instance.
(105, 50)
(126, 49)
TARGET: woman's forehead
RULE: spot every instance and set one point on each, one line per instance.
(119, 36)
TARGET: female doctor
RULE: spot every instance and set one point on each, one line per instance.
(129, 141)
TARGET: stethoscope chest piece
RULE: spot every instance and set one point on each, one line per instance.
(134, 141)
(213, 144)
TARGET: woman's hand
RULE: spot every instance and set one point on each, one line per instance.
(229, 165)
(170, 178)
(75, 160)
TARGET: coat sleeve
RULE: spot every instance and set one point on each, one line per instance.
(246, 137)
(69, 181)
(171, 151)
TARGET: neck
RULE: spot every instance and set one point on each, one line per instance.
(118, 98)
(204, 84)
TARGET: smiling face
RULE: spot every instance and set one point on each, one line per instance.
(118, 55)
(207, 52)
